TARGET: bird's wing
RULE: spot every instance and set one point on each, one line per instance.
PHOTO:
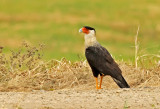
(101, 59)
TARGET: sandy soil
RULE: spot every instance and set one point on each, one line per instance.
(138, 98)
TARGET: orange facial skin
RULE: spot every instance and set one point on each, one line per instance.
(85, 30)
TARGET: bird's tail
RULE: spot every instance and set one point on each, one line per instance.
(121, 82)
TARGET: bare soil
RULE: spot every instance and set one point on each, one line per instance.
(134, 98)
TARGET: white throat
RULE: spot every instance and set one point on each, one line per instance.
(90, 39)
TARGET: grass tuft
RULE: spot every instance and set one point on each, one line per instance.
(24, 70)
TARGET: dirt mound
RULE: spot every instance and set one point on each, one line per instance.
(54, 75)
(24, 70)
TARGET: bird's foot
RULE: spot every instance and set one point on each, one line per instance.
(98, 88)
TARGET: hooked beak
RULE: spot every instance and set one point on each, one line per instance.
(80, 30)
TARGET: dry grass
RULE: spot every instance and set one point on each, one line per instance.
(24, 70)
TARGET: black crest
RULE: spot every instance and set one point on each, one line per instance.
(90, 28)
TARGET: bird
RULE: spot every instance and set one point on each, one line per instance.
(100, 60)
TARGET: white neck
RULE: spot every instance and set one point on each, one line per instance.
(90, 40)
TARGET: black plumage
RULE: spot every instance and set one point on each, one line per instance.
(102, 63)
(89, 28)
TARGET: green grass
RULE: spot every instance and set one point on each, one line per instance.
(56, 23)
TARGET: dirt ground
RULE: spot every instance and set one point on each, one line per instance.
(134, 98)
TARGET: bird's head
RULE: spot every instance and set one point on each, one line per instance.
(87, 30)
(90, 36)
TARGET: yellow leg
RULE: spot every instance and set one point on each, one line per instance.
(100, 82)
(96, 83)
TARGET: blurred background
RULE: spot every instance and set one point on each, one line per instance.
(56, 23)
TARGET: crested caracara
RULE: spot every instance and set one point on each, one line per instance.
(100, 60)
